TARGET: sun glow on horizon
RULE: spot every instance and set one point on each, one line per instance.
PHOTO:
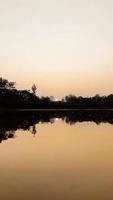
(64, 47)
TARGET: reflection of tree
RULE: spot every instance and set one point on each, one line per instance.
(33, 130)
(12, 121)
(4, 135)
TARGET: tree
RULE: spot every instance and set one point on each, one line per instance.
(5, 84)
(34, 88)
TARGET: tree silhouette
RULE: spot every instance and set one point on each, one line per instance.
(10, 97)
(5, 84)
(34, 88)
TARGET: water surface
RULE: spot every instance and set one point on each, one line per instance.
(58, 161)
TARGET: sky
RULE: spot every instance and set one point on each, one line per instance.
(63, 46)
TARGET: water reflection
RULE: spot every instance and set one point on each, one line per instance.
(4, 135)
(12, 121)
(63, 161)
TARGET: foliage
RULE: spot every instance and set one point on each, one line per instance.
(13, 98)
(5, 84)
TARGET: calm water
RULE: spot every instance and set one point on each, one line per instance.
(59, 162)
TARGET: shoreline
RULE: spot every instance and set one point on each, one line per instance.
(51, 109)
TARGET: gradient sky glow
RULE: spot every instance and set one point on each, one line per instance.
(63, 46)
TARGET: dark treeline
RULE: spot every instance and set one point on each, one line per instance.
(10, 121)
(11, 98)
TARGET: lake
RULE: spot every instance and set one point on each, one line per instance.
(56, 159)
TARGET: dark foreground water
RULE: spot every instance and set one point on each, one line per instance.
(57, 158)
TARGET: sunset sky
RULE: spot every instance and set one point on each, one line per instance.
(63, 46)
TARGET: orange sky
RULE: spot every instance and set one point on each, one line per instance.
(62, 46)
